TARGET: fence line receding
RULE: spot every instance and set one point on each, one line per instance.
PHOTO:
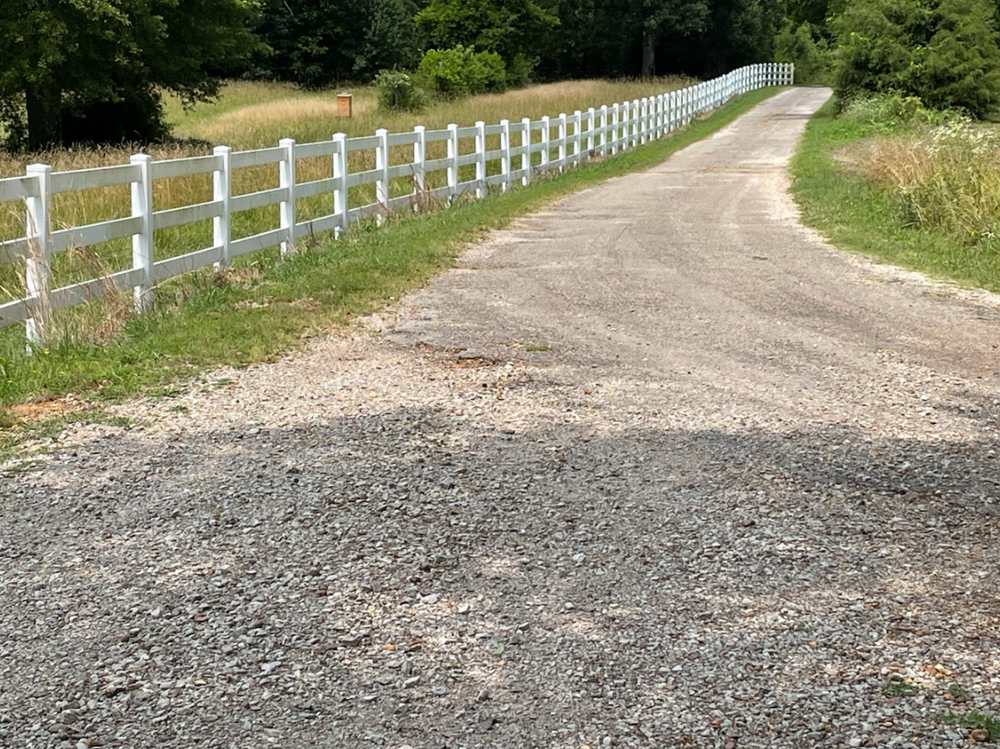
(468, 166)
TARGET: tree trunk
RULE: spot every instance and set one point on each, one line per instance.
(648, 54)
(44, 126)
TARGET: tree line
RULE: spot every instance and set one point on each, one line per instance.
(94, 71)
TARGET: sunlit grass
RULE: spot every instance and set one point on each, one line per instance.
(257, 311)
(251, 115)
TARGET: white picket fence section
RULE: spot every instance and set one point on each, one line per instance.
(582, 135)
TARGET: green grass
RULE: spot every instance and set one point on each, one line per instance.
(261, 311)
(858, 215)
(976, 721)
(897, 687)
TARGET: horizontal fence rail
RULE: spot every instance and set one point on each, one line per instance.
(526, 149)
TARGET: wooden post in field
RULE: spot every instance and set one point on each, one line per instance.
(221, 194)
(38, 232)
(286, 181)
(340, 194)
(142, 241)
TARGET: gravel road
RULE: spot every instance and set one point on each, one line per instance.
(653, 468)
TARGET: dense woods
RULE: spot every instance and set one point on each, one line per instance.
(95, 71)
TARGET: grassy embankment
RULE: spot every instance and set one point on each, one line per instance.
(910, 187)
(268, 305)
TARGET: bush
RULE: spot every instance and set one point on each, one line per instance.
(807, 50)
(944, 52)
(398, 92)
(890, 113)
(461, 70)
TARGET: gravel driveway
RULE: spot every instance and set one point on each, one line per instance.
(653, 468)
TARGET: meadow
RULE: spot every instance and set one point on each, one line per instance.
(263, 306)
(252, 115)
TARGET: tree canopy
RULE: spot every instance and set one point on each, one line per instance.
(944, 52)
(76, 69)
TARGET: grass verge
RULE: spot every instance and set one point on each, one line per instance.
(858, 215)
(261, 310)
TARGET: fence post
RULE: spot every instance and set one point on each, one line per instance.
(382, 179)
(614, 130)
(480, 159)
(577, 135)
(636, 122)
(419, 166)
(286, 180)
(221, 193)
(626, 124)
(544, 165)
(340, 194)
(505, 165)
(142, 242)
(561, 151)
(452, 162)
(526, 156)
(604, 130)
(38, 232)
(591, 131)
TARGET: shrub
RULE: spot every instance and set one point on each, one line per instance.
(397, 91)
(889, 113)
(461, 70)
(808, 51)
(945, 52)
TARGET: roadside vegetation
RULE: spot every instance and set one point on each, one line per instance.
(919, 188)
(266, 305)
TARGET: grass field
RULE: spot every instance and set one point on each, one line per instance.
(256, 312)
(250, 115)
(925, 197)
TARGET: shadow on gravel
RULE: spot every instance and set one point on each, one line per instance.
(409, 578)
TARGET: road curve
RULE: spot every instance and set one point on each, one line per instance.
(655, 467)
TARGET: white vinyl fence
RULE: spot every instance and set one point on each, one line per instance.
(527, 149)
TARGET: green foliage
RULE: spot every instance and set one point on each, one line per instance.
(859, 213)
(256, 319)
(803, 46)
(962, 67)
(90, 71)
(398, 92)
(511, 29)
(892, 113)
(943, 51)
(976, 721)
(315, 43)
(461, 71)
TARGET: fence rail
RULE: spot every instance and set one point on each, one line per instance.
(526, 149)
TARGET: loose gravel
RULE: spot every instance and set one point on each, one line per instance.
(628, 477)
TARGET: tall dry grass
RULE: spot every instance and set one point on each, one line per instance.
(946, 179)
(250, 115)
